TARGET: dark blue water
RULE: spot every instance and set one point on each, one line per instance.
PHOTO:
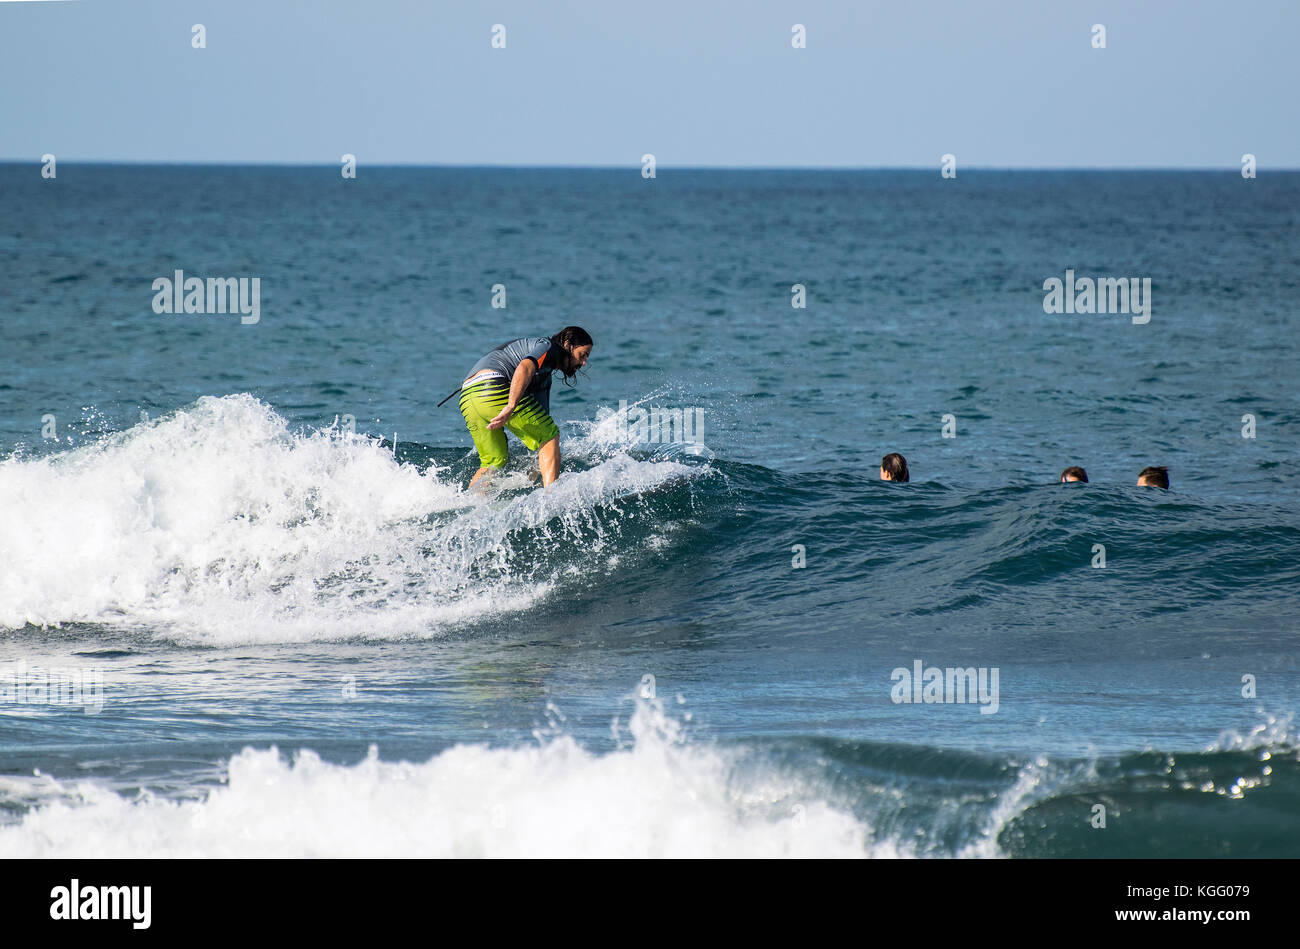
(221, 531)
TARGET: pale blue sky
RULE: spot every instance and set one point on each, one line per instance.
(1000, 84)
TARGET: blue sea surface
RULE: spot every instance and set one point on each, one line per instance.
(252, 542)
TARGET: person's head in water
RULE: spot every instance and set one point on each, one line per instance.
(576, 343)
(1074, 473)
(1154, 477)
(893, 467)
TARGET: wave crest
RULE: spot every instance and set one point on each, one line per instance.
(219, 524)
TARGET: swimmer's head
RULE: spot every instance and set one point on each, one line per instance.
(1074, 473)
(1154, 477)
(893, 467)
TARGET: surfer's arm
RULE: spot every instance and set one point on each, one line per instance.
(518, 385)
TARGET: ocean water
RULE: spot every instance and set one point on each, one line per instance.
(294, 633)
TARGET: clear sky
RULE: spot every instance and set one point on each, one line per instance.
(1013, 83)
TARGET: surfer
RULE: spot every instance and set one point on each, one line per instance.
(893, 467)
(1074, 473)
(509, 389)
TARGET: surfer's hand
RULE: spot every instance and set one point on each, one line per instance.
(502, 417)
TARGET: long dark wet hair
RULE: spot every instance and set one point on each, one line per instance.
(571, 337)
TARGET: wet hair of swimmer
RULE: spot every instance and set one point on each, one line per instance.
(1154, 477)
(1074, 473)
(893, 467)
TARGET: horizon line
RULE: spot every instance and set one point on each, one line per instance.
(635, 166)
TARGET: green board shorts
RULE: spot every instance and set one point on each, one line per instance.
(481, 402)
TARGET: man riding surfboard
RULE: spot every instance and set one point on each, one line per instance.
(509, 390)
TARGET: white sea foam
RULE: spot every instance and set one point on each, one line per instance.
(219, 524)
(607, 434)
(659, 796)
(1271, 732)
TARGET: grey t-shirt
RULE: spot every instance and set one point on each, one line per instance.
(505, 359)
